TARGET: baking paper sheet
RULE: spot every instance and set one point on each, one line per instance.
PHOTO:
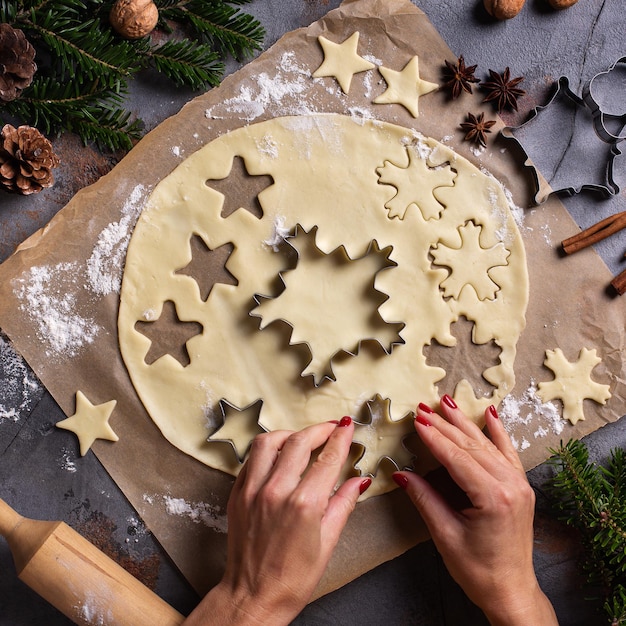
(59, 292)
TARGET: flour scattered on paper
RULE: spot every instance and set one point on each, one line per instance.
(198, 512)
(281, 91)
(48, 295)
(105, 265)
(19, 387)
(529, 411)
(67, 461)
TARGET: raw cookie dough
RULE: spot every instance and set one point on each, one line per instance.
(572, 382)
(90, 422)
(327, 180)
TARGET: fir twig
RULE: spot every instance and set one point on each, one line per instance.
(84, 67)
(591, 498)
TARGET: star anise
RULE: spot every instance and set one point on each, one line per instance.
(459, 77)
(476, 128)
(503, 90)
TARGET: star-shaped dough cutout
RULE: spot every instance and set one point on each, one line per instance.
(240, 427)
(342, 61)
(168, 335)
(90, 422)
(405, 87)
(203, 258)
(382, 438)
(572, 382)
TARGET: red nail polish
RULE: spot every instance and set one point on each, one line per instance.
(494, 412)
(364, 486)
(422, 420)
(424, 407)
(401, 480)
(345, 421)
(448, 401)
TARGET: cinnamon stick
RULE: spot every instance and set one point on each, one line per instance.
(595, 233)
(619, 283)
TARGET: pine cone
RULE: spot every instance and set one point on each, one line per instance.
(26, 160)
(17, 65)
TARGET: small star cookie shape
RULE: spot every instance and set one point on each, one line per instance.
(572, 383)
(405, 87)
(342, 61)
(90, 422)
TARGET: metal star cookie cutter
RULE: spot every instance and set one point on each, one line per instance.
(601, 118)
(328, 373)
(543, 188)
(227, 407)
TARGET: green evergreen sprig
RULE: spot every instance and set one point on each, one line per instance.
(592, 499)
(84, 67)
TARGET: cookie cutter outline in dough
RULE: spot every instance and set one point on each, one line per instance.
(372, 247)
(222, 405)
(542, 188)
(384, 403)
(599, 116)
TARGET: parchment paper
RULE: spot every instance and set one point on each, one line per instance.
(182, 501)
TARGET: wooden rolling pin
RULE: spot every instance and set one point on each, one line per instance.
(77, 578)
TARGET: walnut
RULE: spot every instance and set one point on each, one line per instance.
(503, 9)
(134, 19)
(561, 4)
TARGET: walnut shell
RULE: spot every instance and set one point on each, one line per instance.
(134, 19)
(503, 9)
(561, 4)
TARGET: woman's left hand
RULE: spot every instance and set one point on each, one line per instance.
(285, 519)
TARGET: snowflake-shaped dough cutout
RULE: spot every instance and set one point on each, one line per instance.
(572, 383)
(469, 264)
(330, 302)
(383, 438)
(416, 185)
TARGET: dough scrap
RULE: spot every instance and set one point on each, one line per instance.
(90, 422)
(405, 87)
(342, 61)
(325, 172)
(572, 382)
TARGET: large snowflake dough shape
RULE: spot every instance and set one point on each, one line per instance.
(416, 185)
(318, 302)
(470, 263)
(342, 61)
(572, 383)
(325, 173)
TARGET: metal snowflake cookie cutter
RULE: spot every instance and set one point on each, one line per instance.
(240, 439)
(383, 432)
(268, 308)
(573, 154)
(603, 119)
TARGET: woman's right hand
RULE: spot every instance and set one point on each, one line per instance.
(487, 547)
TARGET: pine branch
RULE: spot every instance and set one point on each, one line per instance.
(188, 65)
(219, 25)
(592, 499)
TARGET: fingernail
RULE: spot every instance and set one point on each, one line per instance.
(494, 412)
(424, 407)
(365, 484)
(447, 400)
(420, 419)
(401, 480)
(333, 422)
(345, 421)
